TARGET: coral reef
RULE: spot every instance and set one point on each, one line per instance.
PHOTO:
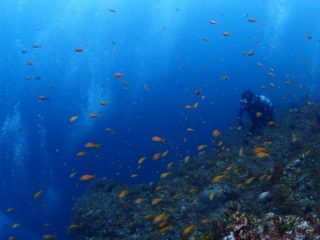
(265, 187)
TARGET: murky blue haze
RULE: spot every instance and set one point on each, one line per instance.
(166, 49)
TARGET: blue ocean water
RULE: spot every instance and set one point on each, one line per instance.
(166, 50)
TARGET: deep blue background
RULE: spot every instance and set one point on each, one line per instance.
(155, 42)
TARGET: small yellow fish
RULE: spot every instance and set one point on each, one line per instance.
(43, 98)
(201, 147)
(72, 175)
(9, 210)
(87, 177)
(188, 229)
(205, 221)
(156, 201)
(123, 193)
(165, 229)
(188, 107)
(262, 155)
(190, 130)
(103, 103)
(92, 145)
(164, 175)
(294, 138)
(163, 217)
(73, 118)
(259, 149)
(81, 154)
(249, 180)
(38, 194)
(241, 152)
(169, 166)
(49, 236)
(217, 179)
(196, 105)
(74, 226)
(158, 139)
(16, 225)
(262, 177)
(134, 175)
(164, 154)
(139, 200)
(141, 160)
(211, 196)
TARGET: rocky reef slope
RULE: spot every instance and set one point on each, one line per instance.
(265, 188)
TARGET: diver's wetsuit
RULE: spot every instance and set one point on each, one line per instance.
(259, 109)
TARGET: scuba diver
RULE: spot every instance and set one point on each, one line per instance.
(259, 109)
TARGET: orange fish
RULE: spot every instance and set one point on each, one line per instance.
(38, 194)
(217, 179)
(249, 180)
(156, 156)
(201, 147)
(165, 229)
(104, 103)
(216, 133)
(92, 145)
(118, 75)
(188, 230)
(158, 139)
(87, 177)
(263, 155)
(94, 115)
(161, 218)
(123, 193)
(226, 34)
(257, 150)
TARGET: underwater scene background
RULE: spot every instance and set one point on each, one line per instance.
(89, 88)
